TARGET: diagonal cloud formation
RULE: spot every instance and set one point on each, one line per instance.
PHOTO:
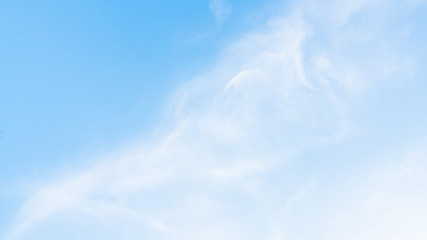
(233, 137)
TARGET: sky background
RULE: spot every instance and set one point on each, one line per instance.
(213, 119)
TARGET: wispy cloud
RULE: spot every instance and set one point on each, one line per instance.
(233, 138)
(221, 10)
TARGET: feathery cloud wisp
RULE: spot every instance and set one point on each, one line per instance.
(221, 10)
(239, 132)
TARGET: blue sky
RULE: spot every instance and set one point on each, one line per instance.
(213, 119)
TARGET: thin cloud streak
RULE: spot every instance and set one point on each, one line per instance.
(238, 132)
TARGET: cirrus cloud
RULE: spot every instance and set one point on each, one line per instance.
(233, 159)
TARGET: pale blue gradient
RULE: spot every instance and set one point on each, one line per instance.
(79, 78)
(213, 120)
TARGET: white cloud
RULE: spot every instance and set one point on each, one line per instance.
(241, 76)
(389, 202)
(221, 10)
(237, 170)
(234, 138)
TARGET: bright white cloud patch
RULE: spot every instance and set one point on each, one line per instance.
(259, 147)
